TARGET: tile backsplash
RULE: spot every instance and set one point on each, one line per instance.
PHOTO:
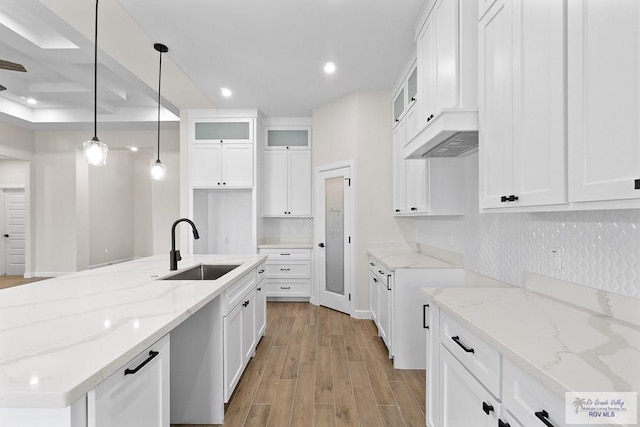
(599, 249)
(288, 227)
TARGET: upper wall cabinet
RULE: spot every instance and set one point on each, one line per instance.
(405, 100)
(522, 104)
(447, 79)
(222, 152)
(604, 100)
(287, 171)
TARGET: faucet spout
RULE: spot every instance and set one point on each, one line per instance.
(174, 255)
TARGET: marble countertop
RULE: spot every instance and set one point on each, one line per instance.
(404, 256)
(61, 337)
(568, 348)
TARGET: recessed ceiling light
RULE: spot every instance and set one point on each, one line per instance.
(329, 68)
(134, 149)
(32, 101)
(226, 92)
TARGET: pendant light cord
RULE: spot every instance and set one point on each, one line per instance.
(159, 82)
(95, 80)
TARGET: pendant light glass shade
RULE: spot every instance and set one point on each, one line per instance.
(158, 170)
(95, 151)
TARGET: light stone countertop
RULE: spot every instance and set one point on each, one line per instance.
(60, 337)
(568, 348)
(395, 256)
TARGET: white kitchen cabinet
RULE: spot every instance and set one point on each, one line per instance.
(287, 182)
(136, 395)
(399, 308)
(431, 322)
(288, 273)
(373, 297)
(464, 401)
(233, 358)
(261, 303)
(447, 59)
(522, 104)
(399, 171)
(603, 100)
(249, 326)
(222, 165)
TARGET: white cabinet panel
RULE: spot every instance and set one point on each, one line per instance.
(261, 309)
(464, 401)
(385, 306)
(496, 104)
(205, 167)
(417, 186)
(399, 170)
(233, 356)
(300, 183)
(427, 71)
(275, 183)
(248, 326)
(604, 99)
(135, 396)
(373, 296)
(446, 15)
(237, 165)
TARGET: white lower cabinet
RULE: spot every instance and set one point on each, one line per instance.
(135, 396)
(249, 327)
(397, 307)
(261, 303)
(233, 359)
(471, 384)
(465, 402)
(288, 273)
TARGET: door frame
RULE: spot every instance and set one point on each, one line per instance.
(350, 251)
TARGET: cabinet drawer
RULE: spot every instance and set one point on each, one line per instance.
(235, 294)
(379, 270)
(288, 288)
(478, 357)
(261, 272)
(300, 269)
(286, 254)
(524, 396)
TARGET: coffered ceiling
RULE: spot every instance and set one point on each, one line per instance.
(269, 53)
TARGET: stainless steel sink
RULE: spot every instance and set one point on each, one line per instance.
(203, 272)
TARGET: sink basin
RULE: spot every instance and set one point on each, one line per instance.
(203, 272)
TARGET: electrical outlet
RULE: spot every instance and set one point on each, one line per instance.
(555, 258)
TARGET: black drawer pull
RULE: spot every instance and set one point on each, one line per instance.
(261, 271)
(424, 316)
(397, 210)
(388, 282)
(456, 339)
(380, 271)
(637, 184)
(259, 289)
(414, 209)
(544, 417)
(284, 254)
(285, 287)
(375, 280)
(487, 408)
(152, 354)
(372, 264)
(245, 304)
(285, 269)
(502, 423)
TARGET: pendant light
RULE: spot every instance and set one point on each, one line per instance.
(158, 170)
(95, 152)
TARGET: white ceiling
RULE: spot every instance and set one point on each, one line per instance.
(269, 53)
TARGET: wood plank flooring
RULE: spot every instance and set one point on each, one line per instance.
(9, 281)
(319, 367)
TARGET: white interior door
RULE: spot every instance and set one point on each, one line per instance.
(13, 231)
(334, 237)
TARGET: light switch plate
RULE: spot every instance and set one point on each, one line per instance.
(555, 258)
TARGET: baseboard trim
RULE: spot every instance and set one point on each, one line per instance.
(361, 314)
(47, 274)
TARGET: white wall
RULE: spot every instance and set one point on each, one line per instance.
(357, 128)
(601, 249)
(13, 173)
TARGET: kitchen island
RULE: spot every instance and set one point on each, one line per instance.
(61, 338)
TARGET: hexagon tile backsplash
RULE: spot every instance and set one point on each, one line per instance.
(599, 249)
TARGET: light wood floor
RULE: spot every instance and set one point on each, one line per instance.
(319, 367)
(9, 281)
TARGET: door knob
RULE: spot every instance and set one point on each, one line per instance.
(321, 245)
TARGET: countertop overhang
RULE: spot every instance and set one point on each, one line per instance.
(568, 348)
(61, 337)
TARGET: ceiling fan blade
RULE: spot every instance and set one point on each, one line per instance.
(12, 66)
(2, 88)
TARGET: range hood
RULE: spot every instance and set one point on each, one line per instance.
(452, 133)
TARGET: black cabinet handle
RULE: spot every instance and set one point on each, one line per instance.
(259, 289)
(375, 280)
(502, 423)
(285, 254)
(321, 245)
(429, 118)
(544, 417)
(397, 120)
(261, 271)
(511, 198)
(424, 316)
(152, 355)
(380, 271)
(413, 98)
(218, 183)
(388, 282)
(285, 269)
(487, 408)
(285, 287)
(224, 183)
(372, 264)
(503, 199)
(456, 340)
(6, 235)
(637, 184)
(414, 209)
(245, 304)
(397, 210)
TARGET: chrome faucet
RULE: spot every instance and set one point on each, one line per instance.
(174, 255)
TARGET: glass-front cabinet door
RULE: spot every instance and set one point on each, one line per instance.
(223, 130)
(288, 137)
